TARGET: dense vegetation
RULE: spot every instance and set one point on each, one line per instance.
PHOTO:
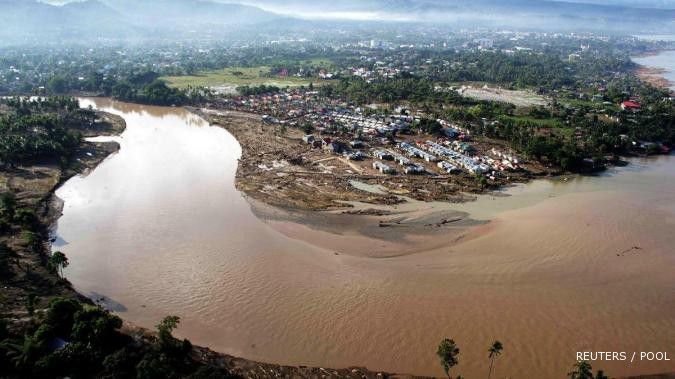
(257, 90)
(144, 87)
(523, 70)
(77, 340)
(35, 130)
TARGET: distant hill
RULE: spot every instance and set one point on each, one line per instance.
(192, 13)
(30, 20)
(24, 21)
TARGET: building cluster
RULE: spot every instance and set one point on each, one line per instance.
(339, 128)
(373, 125)
(454, 159)
(283, 105)
(378, 72)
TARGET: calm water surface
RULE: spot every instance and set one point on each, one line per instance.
(586, 264)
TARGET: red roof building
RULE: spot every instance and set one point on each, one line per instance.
(630, 105)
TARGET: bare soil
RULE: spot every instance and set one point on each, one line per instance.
(278, 168)
(653, 76)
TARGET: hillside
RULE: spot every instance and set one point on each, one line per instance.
(31, 21)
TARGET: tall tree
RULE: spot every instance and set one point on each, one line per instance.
(447, 352)
(57, 84)
(58, 261)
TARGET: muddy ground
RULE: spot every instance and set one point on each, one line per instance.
(278, 168)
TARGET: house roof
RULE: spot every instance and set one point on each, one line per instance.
(630, 104)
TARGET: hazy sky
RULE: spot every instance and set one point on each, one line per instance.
(344, 11)
(279, 4)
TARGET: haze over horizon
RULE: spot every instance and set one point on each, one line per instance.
(58, 20)
(363, 11)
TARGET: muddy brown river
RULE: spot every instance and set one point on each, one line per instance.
(584, 264)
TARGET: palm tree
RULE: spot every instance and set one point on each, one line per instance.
(23, 354)
(447, 352)
(495, 350)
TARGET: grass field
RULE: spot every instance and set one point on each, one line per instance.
(228, 79)
(544, 123)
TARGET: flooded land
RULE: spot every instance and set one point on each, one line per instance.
(278, 167)
(549, 268)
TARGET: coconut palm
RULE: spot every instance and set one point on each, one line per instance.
(495, 350)
(23, 354)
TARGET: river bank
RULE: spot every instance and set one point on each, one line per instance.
(34, 187)
(656, 68)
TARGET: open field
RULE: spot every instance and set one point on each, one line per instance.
(228, 79)
(540, 122)
(519, 98)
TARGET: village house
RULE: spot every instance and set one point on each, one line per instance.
(630, 105)
(412, 169)
(383, 168)
(448, 167)
(355, 155)
(383, 154)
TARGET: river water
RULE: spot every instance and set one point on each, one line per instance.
(585, 264)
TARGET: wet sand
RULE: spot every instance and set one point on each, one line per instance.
(159, 229)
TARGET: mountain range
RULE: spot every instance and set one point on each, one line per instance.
(32, 20)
